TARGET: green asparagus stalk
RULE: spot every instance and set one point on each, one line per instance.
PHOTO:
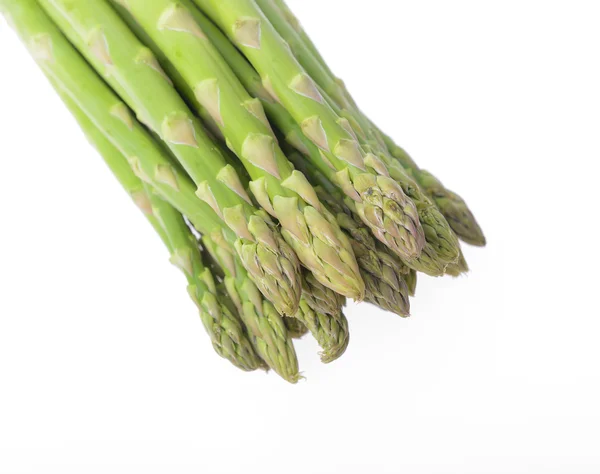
(65, 67)
(441, 247)
(131, 68)
(452, 206)
(284, 193)
(239, 65)
(266, 328)
(224, 328)
(441, 244)
(290, 18)
(226, 331)
(276, 112)
(315, 69)
(281, 117)
(252, 82)
(362, 176)
(68, 70)
(320, 310)
(284, 122)
(320, 298)
(383, 272)
(330, 331)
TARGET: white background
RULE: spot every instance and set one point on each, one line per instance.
(104, 365)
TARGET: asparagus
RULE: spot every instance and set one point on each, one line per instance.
(330, 331)
(283, 192)
(280, 116)
(276, 112)
(320, 310)
(319, 297)
(290, 18)
(382, 271)
(441, 245)
(194, 180)
(226, 331)
(224, 328)
(380, 201)
(296, 328)
(116, 53)
(315, 69)
(293, 133)
(428, 262)
(266, 328)
(452, 206)
(67, 69)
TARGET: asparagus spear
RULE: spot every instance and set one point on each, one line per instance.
(239, 65)
(320, 310)
(315, 69)
(380, 201)
(382, 271)
(116, 53)
(291, 19)
(219, 273)
(286, 124)
(441, 245)
(319, 297)
(276, 112)
(266, 328)
(428, 262)
(225, 330)
(330, 331)
(252, 82)
(66, 68)
(286, 194)
(452, 206)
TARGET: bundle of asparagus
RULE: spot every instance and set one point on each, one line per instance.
(273, 193)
